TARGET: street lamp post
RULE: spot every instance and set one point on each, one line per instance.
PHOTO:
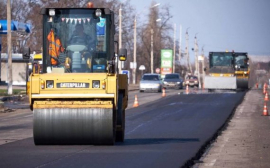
(187, 52)
(152, 48)
(203, 66)
(152, 57)
(135, 51)
(197, 61)
(180, 43)
(174, 48)
(10, 81)
(135, 47)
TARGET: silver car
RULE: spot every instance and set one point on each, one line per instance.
(151, 82)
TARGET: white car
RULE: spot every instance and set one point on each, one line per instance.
(151, 82)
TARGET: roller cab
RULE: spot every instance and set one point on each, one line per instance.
(77, 94)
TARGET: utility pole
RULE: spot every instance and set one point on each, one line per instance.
(187, 52)
(203, 65)
(180, 43)
(197, 62)
(0, 55)
(174, 48)
(10, 81)
(152, 47)
(135, 51)
(120, 37)
(196, 56)
(152, 38)
(135, 47)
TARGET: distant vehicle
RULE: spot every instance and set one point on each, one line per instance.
(173, 81)
(227, 70)
(151, 82)
(191, 81)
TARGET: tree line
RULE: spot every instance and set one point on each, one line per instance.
(28, 12)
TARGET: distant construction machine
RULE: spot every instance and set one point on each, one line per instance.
(227, 71)
(78, 97)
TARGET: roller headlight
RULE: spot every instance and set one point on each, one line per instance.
(178, 82)
(42, 84)
(51, 12)
(103, 85)
(96, 84)
(49, 84)
(98, 13)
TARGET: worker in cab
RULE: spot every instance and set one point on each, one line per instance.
(80, 37)
(55, 47)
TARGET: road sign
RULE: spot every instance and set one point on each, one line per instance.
(165, 71)
(133, 65)
(142, 67)
(157, 70)
(166, 61)
(127, 73)
(15, 26)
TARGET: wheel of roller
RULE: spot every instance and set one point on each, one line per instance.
(120, 131)
(74, 126)
(242, 83)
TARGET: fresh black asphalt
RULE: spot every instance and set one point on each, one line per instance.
(165, 133)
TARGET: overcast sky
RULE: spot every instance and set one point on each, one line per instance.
(239, 25)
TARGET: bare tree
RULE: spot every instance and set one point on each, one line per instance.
(18, 14)
(161, 37)
(29, 12)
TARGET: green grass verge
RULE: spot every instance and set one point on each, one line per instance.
(4, 92)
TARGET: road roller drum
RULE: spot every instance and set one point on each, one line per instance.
(74, 126)
(242, 83)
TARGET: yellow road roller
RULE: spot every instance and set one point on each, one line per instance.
(227, 71)
(78, 96)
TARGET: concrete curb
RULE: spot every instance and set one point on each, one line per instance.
(1, 104)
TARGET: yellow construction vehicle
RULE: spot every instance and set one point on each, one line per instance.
(227, 70)
(242, 70)
(36, 58)
(78, 96)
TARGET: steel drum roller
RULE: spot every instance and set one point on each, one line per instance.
(74, 126)
(242, 83)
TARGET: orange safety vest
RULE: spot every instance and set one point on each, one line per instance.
(55, 47)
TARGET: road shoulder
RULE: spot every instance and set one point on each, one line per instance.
(246, 140)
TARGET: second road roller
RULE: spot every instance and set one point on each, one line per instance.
(227, 71)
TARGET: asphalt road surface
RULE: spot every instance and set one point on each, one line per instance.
(162, 132)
